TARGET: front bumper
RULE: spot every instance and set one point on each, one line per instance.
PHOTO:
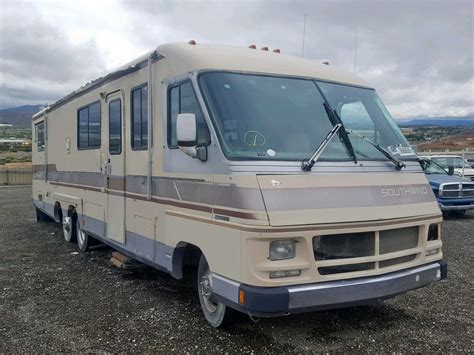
(456, 204)
(274, 301)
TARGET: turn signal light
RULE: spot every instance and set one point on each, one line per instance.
(241, 296)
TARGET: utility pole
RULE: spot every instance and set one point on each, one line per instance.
(355, 49)
(304, 34)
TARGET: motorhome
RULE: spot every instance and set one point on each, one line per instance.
(284, 182)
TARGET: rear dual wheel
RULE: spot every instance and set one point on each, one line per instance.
(69, 228)
(73, 232)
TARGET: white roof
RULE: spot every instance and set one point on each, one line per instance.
(184, 57)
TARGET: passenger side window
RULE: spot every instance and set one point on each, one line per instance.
(182, 99)
(115, 127)
(354, 115)
(88, 127)
(139, 118)
(39, 134)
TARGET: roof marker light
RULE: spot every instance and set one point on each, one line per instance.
(264, 49)
(253, 46)
(192, 42)
(276, 50)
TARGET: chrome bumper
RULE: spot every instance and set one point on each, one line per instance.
(455, 208)
(273, 301)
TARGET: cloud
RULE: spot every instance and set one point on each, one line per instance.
(37, 61)
(417, 54)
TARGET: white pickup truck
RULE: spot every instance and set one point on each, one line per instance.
(455, 162)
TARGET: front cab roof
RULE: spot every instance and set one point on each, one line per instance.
(185, 58)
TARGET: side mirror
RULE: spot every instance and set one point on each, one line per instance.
(186, 134)
(186, 131)
(450, 170)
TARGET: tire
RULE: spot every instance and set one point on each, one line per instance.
(83, 240)
(41, 216)
(460, 213)
(69, 230)
(216, 313)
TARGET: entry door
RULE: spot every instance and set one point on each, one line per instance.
(115, 169)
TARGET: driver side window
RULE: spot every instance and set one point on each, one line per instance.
(182, 99)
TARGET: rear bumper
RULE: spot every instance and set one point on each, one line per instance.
(274, 301)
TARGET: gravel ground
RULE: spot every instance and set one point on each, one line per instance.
(55, 300)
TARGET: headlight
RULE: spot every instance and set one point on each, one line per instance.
(282, 249)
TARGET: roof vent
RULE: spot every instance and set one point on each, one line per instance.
(253, 46)
(326, 62)
(276, 50)
(264, 49)
(192, 42)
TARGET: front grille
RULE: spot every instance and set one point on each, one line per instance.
(338, 269)
(451, 194)
(451, 187)
(393, 240)
(343, 246)
(332, 253)
(457, 190)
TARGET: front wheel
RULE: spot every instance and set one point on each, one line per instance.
(216, 313)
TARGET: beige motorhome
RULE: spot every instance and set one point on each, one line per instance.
(285, 182)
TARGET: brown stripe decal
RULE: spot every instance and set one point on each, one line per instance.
(305, 228)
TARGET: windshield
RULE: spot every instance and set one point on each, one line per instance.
(446, 162)
(430, 167)
(266, 117)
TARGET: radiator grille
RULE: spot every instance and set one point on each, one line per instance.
(393, 240)
(330, 251)
(456, 190)
(343, 246)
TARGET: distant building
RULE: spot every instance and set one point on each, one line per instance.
(14, 142)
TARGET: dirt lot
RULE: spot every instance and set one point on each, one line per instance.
(53, 299)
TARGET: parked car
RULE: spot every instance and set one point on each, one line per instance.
(470, 162)
(453, 163)
(454, 193)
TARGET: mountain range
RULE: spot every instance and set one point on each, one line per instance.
(20, 117)
(465, 121)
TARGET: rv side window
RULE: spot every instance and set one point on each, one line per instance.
(39, 135)
(139, 118)
(88, 127)
(115, 127)
(182, 99)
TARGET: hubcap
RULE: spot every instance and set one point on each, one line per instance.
(206, 292)
(67, 227)
(81, 236)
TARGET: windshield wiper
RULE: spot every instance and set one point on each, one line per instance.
(335, 119)
(306, 165)
(398, 163)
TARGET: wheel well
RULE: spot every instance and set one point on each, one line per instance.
(71, 210)
(58, 212)
(185, 257)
